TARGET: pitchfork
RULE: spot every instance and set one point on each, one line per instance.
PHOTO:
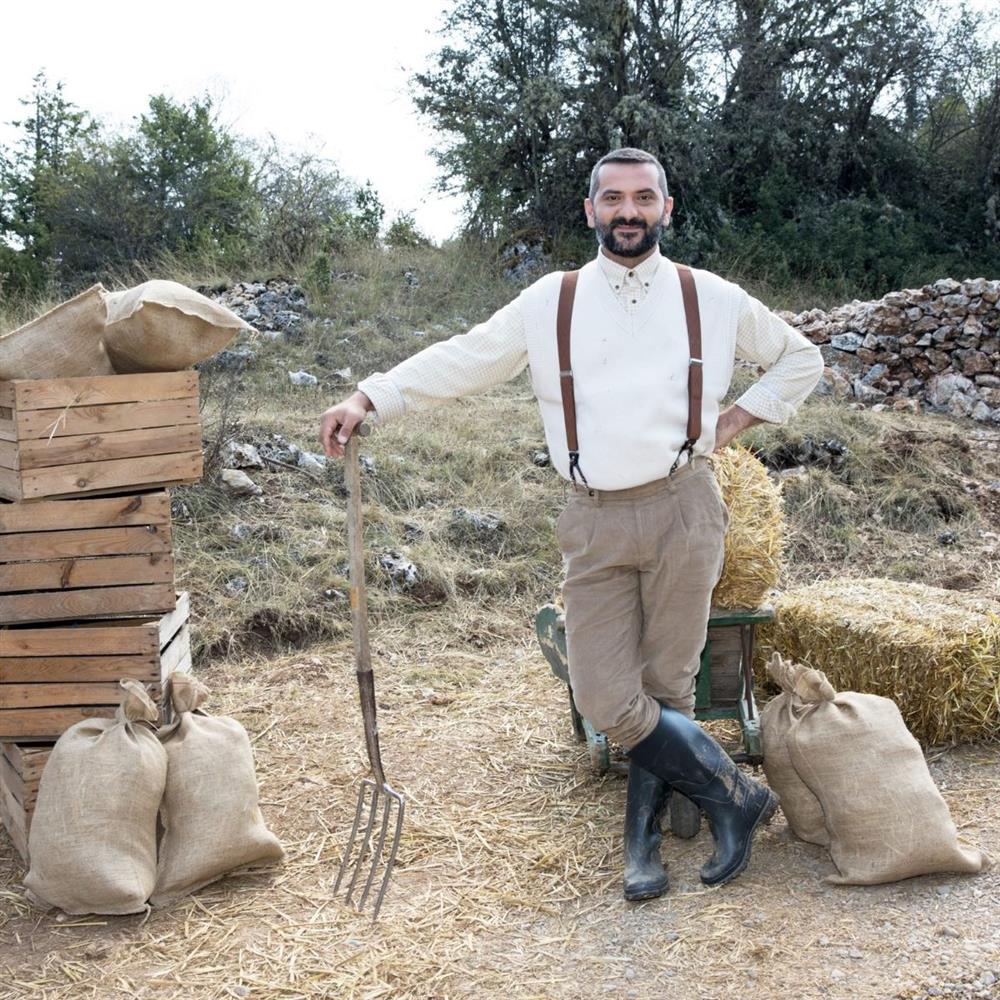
(375, 789)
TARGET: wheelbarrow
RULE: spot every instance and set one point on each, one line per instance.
(724, 689)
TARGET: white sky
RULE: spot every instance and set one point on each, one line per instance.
(329, 76)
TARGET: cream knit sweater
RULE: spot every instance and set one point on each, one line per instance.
(629, 347)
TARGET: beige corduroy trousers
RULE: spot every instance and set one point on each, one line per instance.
(640, 568)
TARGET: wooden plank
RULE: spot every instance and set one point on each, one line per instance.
(56, 669)
(10, 485)
(46, 453)
(102, 602)
(29, 762)
(16, 821)
(48, 723)
(130, 638)
(7, 396)
(9, 455)
(65, 574)
(8, 426)
(17, 696)
(86, 512)
(170, 624)
(10, 777)
(82, 477)
(83, 542)
(178, 650)
(39, 394)
(63, 422)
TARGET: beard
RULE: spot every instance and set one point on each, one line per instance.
(650, 237)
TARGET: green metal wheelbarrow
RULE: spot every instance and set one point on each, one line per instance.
(724, 689)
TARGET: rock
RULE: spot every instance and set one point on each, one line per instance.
(402, 572)
(418, 333)
(874, 374)
(367, 464)
(906, 405)
(179, 511)
(311, 461)
(849, 342)
(230, 359)
(990, 381)
(947, 538)
(961, 405)
(981, 411)
(239, 484)
(942, 388)
(836, 975)
(343, 373)
(541, 459)
(977, 363)
(302, 378)
(946, 930)
(241, 455)
(832, 383)
(481, 524)
(237, 585)
(279, 449)
(412, 532)
(866, 393)
(241, 532)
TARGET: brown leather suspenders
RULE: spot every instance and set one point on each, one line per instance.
(692, 316)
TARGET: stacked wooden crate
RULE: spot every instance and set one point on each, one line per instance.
(86, 563)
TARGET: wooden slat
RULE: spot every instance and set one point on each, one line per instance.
(170, 624)
(82, 477)
(7, 397)
(126, 638)
(63, 422)
(48, 723)
(10, 485)
(56, 669)
(86, 512)
(8, 426)
(83, 542)
(16, 822)
(65, 574)
(102, 602)
(18, 696)
(29, 762)
(175, 653)
(9, 455)
(38, 394)
(10, 777)
(46, 453)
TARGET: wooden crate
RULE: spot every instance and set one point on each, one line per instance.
(98, 435)
(90, 557)
(54, 676)
(21, 766)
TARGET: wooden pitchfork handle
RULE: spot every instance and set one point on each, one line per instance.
(359, 601)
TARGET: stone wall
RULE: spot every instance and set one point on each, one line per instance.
(936, 347)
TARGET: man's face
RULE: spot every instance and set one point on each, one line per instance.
(629, 211)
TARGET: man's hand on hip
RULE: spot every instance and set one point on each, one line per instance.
(732, 421)
(338, 423)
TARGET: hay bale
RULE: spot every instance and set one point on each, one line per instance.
(756, 536)
(935, 652)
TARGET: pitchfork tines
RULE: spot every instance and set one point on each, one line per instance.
(376, 794)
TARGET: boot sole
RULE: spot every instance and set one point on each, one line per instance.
(637, 895)
(766, 814)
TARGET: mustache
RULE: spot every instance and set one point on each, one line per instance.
(620, 221)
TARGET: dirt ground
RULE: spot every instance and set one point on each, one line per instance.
(508, 879)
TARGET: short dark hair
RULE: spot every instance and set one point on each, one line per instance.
(628, 154)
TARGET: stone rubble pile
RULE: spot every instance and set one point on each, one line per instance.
(275, 308)
(937, 346)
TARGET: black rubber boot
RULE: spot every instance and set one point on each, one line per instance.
(681, 753)
(646, 798)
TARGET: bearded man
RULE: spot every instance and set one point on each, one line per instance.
(630, 359)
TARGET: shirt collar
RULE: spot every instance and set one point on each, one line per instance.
(617, 273)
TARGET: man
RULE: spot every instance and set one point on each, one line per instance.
(642, 535)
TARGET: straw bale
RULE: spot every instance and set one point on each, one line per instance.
(756, 536)
(935, 652)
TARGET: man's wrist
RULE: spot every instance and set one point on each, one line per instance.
(361, 398)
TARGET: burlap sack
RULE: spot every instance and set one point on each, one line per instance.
(886, 819)
(211, 821)
(93, 836)
(163, 326)
(65, 342)
(801, 808)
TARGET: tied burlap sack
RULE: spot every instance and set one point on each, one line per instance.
(163, 326)
(93, 836)
(801, 808)
(886, 819)
(211, 821)
(65, 342)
